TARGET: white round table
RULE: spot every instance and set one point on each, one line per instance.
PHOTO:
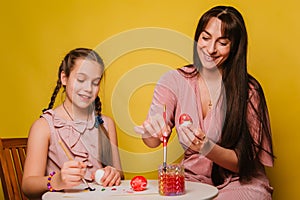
(193, 190)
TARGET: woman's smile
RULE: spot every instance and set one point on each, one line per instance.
(213, 47)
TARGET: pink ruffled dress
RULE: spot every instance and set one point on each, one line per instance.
(181, 95)
(79, 137)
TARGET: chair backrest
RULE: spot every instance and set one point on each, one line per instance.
(12, 158)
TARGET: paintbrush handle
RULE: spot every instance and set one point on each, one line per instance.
(165, 155)
(165, 138)
(68, 154)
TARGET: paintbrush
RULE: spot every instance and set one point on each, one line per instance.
(71, 158)
(165, 140)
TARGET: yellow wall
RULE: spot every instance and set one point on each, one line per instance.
(35, 36)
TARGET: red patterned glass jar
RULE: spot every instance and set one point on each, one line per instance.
(171, 180)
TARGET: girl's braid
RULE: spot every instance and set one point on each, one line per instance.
(56, 90)
(98, 109)
(98, 106)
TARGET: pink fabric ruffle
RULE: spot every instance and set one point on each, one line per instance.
(79, 137)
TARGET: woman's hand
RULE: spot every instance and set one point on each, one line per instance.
(111, 176)
(154, 127)
(70, 175)
(192, 139)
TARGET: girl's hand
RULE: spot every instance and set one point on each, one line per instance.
(70, 175)
(111, 176)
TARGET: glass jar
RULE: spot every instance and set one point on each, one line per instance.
(171, 180)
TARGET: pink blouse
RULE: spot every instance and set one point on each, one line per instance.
(80, 139)
(182, 95)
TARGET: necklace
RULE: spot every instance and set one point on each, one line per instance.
(67, 111)
(214, 96)
(87, 119)
(214, 91)
(209, 104)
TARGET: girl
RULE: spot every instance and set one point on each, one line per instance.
(73, 140)
(227, 140)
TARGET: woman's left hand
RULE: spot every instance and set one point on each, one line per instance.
(192, 139)
(111, 176)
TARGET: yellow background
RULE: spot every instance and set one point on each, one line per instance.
(36, 35)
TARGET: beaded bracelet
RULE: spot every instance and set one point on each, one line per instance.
(50, 188)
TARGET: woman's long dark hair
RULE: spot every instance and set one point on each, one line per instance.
(235, 132)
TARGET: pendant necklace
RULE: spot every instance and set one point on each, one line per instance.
(209, 104)
(215, 95)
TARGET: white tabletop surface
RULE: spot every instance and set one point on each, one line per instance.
(193, 190)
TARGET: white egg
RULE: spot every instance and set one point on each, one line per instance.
(186, 123)
(98, 175)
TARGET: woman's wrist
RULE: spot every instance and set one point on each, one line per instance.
(151, 141)
(207, 147)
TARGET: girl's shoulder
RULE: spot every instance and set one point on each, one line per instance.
(40, 127)
(39, 123)
(107, 119)
(110, 127)
(108, 122)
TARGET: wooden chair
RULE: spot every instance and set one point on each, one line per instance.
(12, 158)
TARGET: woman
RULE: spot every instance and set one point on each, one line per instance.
(227, 141)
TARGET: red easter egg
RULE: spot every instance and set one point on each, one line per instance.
(138, 183)
(185, 119)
